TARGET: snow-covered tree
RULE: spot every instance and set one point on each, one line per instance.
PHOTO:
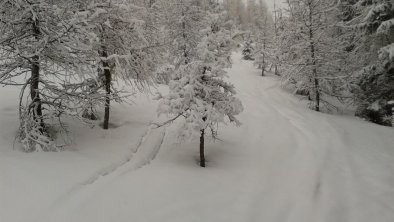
(314, 51)
(37, 46)
(237, 11)
(372, 49)
(118, 45)
(248, 49)
(263, 26)
(198, 92)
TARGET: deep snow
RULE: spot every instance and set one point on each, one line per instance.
(285, 163)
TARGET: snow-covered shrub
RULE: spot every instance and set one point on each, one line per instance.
(33, 134)
(248, 50)
(163, 74)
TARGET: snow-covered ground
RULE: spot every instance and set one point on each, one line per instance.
(284, 164)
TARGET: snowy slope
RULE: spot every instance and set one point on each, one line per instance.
(285, 163)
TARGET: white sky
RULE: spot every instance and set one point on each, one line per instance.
(270, 3)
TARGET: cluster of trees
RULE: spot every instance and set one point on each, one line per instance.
(332, 52)
(255, 23)
(371, 49)
(66, 55)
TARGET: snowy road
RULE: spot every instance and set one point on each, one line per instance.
(284, 164)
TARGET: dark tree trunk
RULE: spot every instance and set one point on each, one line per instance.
(317, 108)
(151, 2)
(263, 67)
(202, 154)
(313, 57)
(202, 145)
(36, 104)
(184, 36)
(264, 47)
(314, 72)
(107, 84)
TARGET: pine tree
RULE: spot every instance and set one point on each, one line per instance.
(198, 92)
(248, 49)
(264, 38)
(38, 42)
(119, 46)
(315, 52)
(372, 48)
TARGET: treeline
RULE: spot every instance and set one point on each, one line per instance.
(66, 56)
(332, 52)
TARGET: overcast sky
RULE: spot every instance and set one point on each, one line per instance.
(270, 3)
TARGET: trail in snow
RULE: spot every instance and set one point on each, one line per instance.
(143, 159)
(284, 164)
(314, 175)
(141, 155)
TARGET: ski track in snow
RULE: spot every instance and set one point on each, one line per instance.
(114, 167)
(284, 164)
(139, 157)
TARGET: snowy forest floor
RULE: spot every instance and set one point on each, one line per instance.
(284, 164)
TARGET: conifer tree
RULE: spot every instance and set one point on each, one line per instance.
(119, 47)
(371, 26)
(315, 52)
(198, 92)
(38, 43)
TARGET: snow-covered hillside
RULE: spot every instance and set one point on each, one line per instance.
(284, 164)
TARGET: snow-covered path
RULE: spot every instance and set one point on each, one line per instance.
(316, 167)
(284, 164)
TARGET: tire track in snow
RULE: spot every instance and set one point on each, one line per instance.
(315, 158)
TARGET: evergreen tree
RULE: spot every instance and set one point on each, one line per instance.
(38, 42)
(198, 92)
(372, 49)
(248, 49)
(119, 47)
(264, 38)
(315, 53)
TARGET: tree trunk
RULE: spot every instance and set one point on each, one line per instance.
(392, 116)
(317, 92)
(263, 67)
(35, 93)
(276, 36)
(264, 45)
(313, 57)
(151, 2)
(107, 83)
(36, 103)
(202, 154)
(184, 36)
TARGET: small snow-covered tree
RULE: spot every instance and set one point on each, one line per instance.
(248, 49)
(198, 92)
(264, 52)
(118, 46)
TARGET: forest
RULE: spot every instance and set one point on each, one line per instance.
(82, 78)
(66, 56)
